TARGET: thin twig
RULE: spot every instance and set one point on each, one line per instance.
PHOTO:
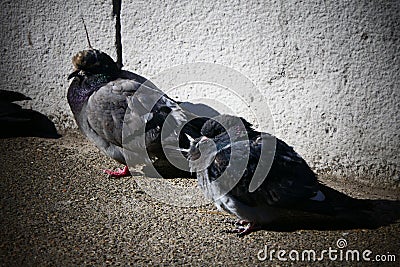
(87, 34)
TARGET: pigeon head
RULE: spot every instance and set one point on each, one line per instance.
(201, 153)
(94, 61)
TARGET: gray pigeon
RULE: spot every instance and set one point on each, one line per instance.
(287, 186)
(123, 113)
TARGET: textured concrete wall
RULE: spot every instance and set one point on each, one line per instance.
(329, 70)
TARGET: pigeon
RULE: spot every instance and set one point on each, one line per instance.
(124, 114)
(226, 158)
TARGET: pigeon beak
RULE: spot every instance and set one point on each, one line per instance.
(74, 74)
(191, 139)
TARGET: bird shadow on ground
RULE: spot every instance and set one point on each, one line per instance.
(19, 122)
(357, 214)
(353, 214)
(382, 213)
(166, 172)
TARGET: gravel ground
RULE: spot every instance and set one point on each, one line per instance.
(59, 209)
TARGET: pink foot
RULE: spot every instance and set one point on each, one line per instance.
(119, 172)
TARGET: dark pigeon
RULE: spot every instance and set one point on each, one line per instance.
(114, 108)
(290, 187)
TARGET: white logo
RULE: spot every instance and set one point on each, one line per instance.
(208, 85)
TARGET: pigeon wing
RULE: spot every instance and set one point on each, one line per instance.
(103, 116)
(287, 183)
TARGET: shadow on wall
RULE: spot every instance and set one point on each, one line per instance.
(16, 121)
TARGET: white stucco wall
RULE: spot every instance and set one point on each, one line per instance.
(328, 70)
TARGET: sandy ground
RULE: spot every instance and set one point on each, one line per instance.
(59, 209)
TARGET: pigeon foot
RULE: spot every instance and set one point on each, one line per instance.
(119, 173)
(244, 228)
(241, 223)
